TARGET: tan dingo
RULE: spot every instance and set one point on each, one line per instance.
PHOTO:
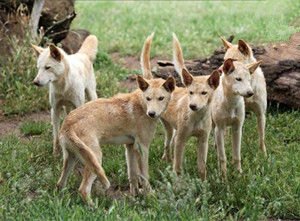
(128, 119)
(228, 107)
(69, 76)
(258, 102)
(189, 113)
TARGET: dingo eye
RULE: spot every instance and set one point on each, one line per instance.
(204, 92)
(47, 67)
(191, 92)
(148, 98)
(160, 98)
(238, 79)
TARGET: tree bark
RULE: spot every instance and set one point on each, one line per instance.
(280, 64)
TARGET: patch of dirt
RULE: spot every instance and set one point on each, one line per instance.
(131, 63)
(11, 124)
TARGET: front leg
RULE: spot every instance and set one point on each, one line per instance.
(236, 145)
(219, 141)
(132, 168)
(143, 155)
(202, 153)
(55, 118)
(180, 140)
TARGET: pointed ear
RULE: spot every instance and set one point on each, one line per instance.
(214, 79)
(38, 50)
(243, 47)
(228, 66)
(143, 84)
(252, 67)
(169, 84)
(226, 43)
(186, 77)
(55, 53)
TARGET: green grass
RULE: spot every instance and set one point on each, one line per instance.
(30, 128)
(123, 27)
(267, 188)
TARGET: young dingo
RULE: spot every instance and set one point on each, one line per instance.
(128, 119)
(258, 102)
(228, 107)
(189, 113)
(70, 76)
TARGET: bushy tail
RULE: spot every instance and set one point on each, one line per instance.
(89, 158)
(90, 47)
(145, 58)
(177, 56)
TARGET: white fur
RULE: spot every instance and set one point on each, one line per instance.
(68, 81)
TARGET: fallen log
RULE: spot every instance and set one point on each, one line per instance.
(280, 64)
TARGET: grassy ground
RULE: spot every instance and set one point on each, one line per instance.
(267, 188)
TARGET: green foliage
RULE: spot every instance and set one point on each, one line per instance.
(17, 92)
(29, 128)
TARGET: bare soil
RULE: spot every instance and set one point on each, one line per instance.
(11, 124)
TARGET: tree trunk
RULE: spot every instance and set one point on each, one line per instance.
(280, 64)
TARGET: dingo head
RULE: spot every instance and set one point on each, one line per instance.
(241, 52)
(156, 94)
(200, 89)
(50, 64)
(237, 77)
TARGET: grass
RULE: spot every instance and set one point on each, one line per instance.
(30, 128)
(123, 27)
(267, 188)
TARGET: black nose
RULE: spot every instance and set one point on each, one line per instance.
(151, 114)
(250, 94)
(193, 107)
(37, 83)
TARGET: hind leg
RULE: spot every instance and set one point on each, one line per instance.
(261, 123)
(93, 143)
(68, 166)
(168, 141)
(91, 89)
(88, 178)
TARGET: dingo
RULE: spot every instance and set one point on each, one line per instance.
(70, 76)
(258, 102)
(189, 113)
(128, 119)
(228, 107)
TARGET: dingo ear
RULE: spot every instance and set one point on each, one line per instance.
(226, 43)
(252, 67)
(55, 53)
(228, 66)
(143, 84)
(187, 77)
(38, 50)
(169, 84)
(243, 47)
(214, 79)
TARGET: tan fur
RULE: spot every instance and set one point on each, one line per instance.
(90, 47)
(69, 77)
(145, 57)
(128, 119)
(185, 122)
(228, 108)
(258, 102)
